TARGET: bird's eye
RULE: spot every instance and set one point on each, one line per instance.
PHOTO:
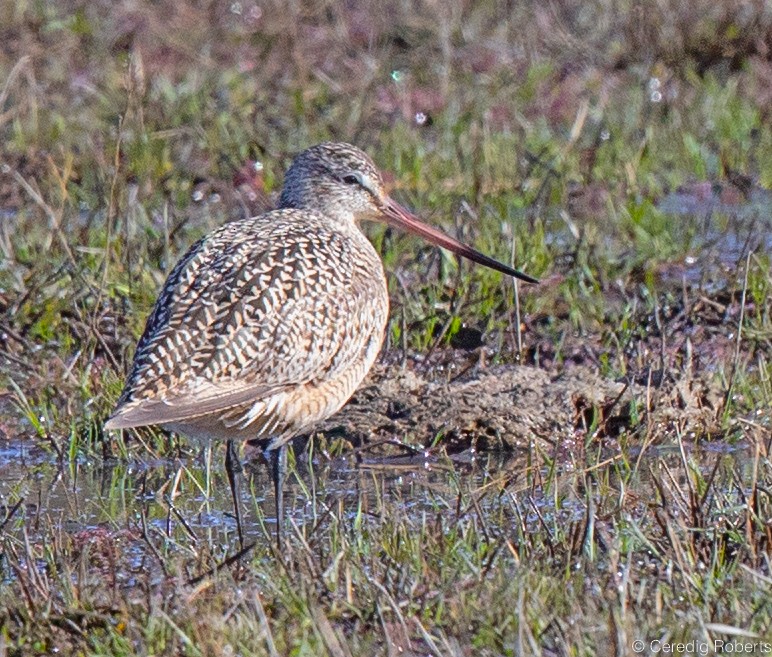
(351, 179)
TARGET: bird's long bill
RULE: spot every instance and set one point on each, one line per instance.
(398, 216)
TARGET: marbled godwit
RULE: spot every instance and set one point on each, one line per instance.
(269, 324)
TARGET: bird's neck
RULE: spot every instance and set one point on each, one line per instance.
(336, 213)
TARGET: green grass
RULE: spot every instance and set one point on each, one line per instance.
(568, 561)
(553, 136)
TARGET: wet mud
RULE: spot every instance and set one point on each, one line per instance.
(508, 407)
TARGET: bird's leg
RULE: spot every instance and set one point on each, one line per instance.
(233, 468)
(278, 470)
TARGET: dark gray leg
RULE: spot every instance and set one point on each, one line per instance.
(278, 470)
(233, 468)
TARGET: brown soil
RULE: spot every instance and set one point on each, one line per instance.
(507, 407)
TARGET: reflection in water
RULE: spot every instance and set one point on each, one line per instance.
(722, 225)
(188, 501)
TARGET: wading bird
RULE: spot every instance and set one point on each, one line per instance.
(268, 325)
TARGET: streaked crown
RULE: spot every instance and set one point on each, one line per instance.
(336, 179)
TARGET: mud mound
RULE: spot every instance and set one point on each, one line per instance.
(501, 408)
(507, 407)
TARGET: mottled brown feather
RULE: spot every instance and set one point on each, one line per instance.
(268, 324)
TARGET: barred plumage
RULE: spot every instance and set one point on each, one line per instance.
(269, 324)
(276, 308)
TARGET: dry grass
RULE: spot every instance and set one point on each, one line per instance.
(555, 134)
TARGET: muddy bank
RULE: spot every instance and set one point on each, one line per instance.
(507, 407)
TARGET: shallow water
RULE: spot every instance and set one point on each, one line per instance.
(168, 493)
(188, 500)
(722, 227)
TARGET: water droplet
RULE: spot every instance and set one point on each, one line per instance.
(655, 95)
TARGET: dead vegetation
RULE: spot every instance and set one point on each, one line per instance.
(560, 471)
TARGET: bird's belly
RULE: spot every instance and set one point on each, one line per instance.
(279, 417)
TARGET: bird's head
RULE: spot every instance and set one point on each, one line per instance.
(342, 182)
(337, 179)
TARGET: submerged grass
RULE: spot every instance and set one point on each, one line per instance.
(621, 153)
(516, 562)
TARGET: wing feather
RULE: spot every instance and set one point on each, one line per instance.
(208, 400)
(256, 308)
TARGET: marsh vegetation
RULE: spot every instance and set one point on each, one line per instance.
(558, 469)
